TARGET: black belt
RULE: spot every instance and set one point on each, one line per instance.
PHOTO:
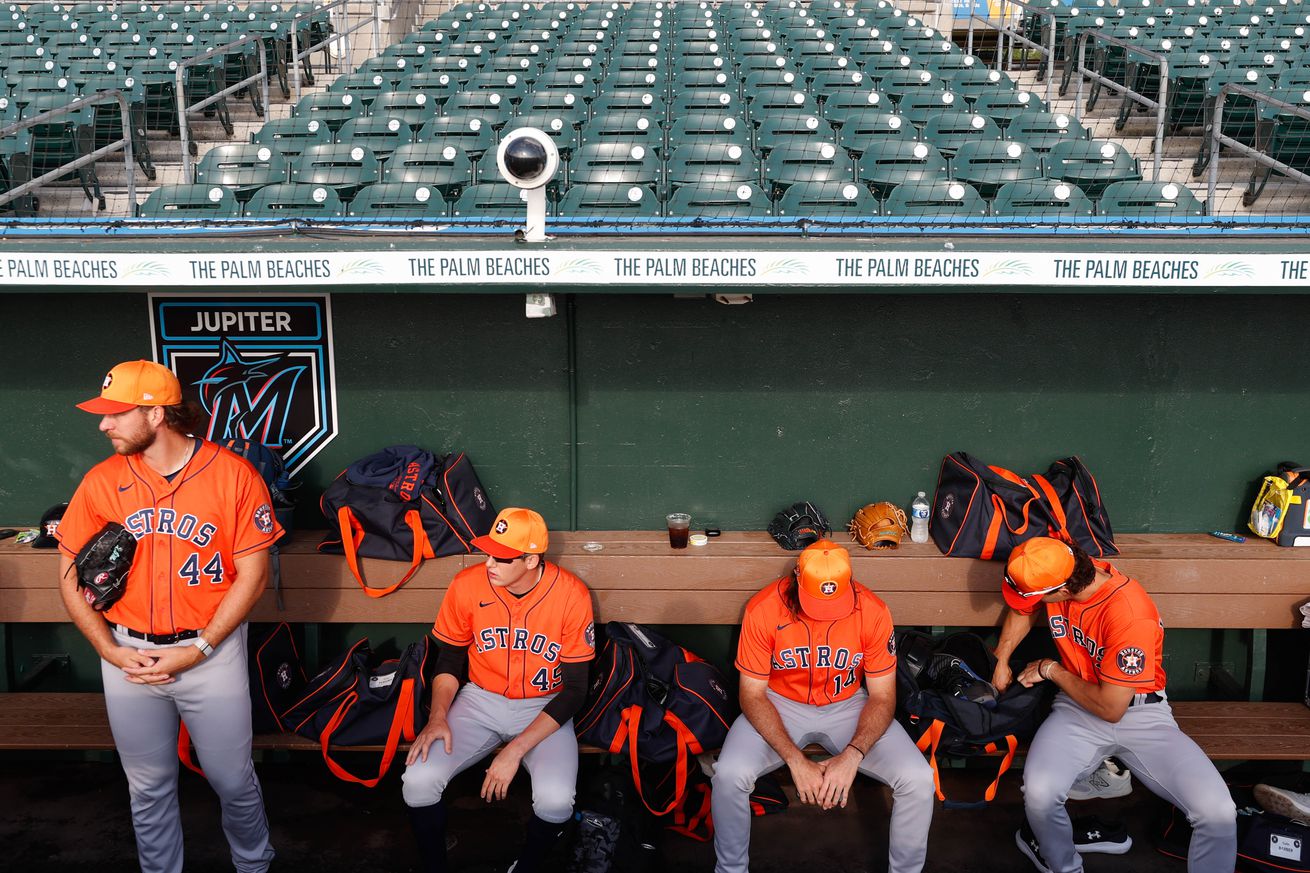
(1153, 697)
(159, 639)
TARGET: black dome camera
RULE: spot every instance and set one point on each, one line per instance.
(527, 158)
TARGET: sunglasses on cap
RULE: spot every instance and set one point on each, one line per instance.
(505, 560)
(1041, 592)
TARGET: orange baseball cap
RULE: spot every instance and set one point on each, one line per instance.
(824, 571)
(132, 384)
(516, 532)
(1036, 568)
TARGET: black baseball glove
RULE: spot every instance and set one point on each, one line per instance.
(799, 525)
(103, 565)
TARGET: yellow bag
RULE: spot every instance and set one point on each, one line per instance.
(1271, 507)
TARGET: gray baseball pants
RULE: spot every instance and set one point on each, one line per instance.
(213, 698)
(479, 721)
(893, 760)
(1072, 741)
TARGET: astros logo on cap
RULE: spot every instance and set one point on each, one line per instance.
(501, 527)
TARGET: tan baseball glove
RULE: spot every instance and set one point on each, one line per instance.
(878, 526)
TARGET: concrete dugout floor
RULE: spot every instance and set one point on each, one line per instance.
(66, 815)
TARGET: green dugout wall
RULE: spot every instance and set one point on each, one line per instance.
(624, 407)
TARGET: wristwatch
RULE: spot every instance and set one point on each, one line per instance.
(205, 648)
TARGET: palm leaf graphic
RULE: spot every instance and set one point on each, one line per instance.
(1231, 270)
(789, 267)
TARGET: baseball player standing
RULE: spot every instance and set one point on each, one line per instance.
(175, 643)
(817, 657)
(521, 627)
(1111, 702)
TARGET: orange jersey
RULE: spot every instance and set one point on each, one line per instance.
(1116, 637)
(517, 644)
(189, 532)
(815, 662)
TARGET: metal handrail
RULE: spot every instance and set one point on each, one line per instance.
(1217, 137)
(1160, 105)
(1003, 29)
(80, 103)
(344, 35)
(180, 94)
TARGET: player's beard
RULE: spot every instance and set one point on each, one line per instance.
(136, 443)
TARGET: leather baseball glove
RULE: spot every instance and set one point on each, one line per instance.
(103, 564)
(799, 525)
(878, 525)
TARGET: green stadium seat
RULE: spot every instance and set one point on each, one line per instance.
(330, 108)
(770, 101)
(827, 85)
(16, 168)
(414, 108)
(243, 168)
(345, 167)
(608, 201)
(860, 130)
(774, 77)
(63, 139)
(901, 82)
(584, 87)
(615, 162)
(190, 202)
(490, 200)
(108, 117)
(631, 128)
(650, 102)
(1004, 106)
(950, 130)
(289, 200)
(364, 86)
(380, 134)
(291, 136)
(1286, 138)
(973, 83)
(699, 161)
(827, 200)
(780, 126)
(491, 106)
(939, 198)
(917, 108)
(561, 126)
(441, 164)
(807, 159)
(838, 105)
(1091, 165)
(711, 200)
(890, 162)
(989, 164)
(510, 86)
(1153, 200)
(1046, 199)
(397, 200)
(472, 136)
(716, 126)
(1041, 131)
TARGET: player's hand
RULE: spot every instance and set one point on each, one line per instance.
(838, 776)
(124, 657)
(501, 772)
(1031, 674)
(808, 777)
(1002, 676)
(437, 728)
(167, 664)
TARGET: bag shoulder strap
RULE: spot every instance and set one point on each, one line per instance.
(402, 726)
(352, 535)
(931, 741)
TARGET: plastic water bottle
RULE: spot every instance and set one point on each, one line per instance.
(919, 511)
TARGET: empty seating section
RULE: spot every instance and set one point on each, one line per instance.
(1260, 45)
(782, 110)
(51, 54)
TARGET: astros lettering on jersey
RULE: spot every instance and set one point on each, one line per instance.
(184, 556)
(1116, 637)
(815, 662)
(517, 644)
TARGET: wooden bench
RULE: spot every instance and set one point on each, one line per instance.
(1196, 580)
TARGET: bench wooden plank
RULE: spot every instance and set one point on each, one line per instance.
(1196, 580)
(1225, 730)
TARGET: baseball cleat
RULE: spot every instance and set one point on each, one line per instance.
(1091, 834)
(1111, 779)
(1280, 801)
(1027, 844)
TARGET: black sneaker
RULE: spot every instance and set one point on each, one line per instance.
(1091, 834)
(1027, 843)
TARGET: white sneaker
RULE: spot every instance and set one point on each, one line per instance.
(1108, 780)
(1282, 802)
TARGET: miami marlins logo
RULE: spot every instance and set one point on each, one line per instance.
(249, 398)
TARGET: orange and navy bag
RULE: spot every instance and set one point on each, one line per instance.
(404, 504)
(984, 511)
(659, 703)
(362, 700)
